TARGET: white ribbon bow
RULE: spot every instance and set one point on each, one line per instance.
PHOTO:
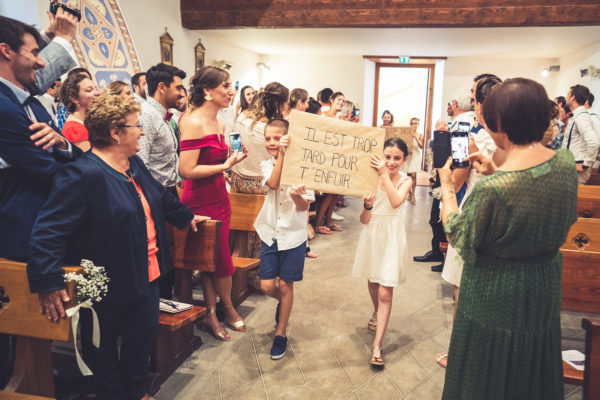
(73, 312)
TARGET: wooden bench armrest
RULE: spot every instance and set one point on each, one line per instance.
(172, 322)
(21, 396)
(571, 375)
(245, 263)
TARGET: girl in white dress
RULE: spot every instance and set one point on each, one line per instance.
(413, 163)
(381, 250)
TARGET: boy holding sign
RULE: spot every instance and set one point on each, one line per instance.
(281, 226)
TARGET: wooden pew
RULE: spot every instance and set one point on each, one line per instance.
(589, 378)
(591, 375)
(594, 178)
(581, 266)
(20, 316)
(244, 210)
(588, 201)
(175, 340)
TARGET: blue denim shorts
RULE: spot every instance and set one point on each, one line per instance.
(287, 264)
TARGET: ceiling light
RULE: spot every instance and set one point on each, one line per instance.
(545, 72)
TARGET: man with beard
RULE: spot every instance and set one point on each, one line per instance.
(138, 82)
(159, 145)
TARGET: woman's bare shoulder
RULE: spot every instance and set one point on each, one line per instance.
(191, 126)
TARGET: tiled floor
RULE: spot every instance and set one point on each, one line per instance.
(329, 343)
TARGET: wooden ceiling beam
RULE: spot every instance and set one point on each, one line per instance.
(216, 14)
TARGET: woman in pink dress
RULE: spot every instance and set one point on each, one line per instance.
(204, 158)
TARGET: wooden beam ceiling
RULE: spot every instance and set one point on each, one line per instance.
(216, 14)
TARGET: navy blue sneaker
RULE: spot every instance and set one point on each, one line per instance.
(279, 347)
(277, 313)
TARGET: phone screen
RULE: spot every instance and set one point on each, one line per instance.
(237, 85)
(460, 149)
(236, 142)
(356, 112)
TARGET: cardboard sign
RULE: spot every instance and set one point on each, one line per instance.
(403, 132)
(331, 155)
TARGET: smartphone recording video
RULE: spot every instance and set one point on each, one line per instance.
(236, 142)
(460, 149)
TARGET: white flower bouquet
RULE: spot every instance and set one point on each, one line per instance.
(90, 287)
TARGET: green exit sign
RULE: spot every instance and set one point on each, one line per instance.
(403, 60)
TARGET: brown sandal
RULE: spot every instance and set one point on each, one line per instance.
(377, 357)
(372, 325)
(323, 230)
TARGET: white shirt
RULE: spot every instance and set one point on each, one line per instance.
(49, 104)
(486, 145)
(468, 116)
(584, 143)
(278, 219)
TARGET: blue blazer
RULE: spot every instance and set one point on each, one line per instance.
(25, 185)
(95, 213)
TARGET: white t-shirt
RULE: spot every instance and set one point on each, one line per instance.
(278, 219)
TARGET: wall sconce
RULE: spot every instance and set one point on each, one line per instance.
(546, 71)
(263, 65)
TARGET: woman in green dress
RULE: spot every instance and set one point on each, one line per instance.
(506, 341)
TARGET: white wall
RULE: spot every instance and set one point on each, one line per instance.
(460, 71)
(315, 72)
(569, 75)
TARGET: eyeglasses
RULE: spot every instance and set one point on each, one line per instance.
(139, 126)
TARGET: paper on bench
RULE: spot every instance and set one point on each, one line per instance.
(174, 307)
(574, 358)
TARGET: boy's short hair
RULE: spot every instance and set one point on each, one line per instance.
(278, 123)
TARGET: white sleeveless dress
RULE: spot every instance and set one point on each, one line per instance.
(381, 251)
(413, 163)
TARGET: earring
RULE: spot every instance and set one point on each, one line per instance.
(118, 141)
(208, 97)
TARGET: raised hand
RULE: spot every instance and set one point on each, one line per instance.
(378, 163)
(369, 199)
(284, 143)
(445, 174)
(297, 190)
(484, 165)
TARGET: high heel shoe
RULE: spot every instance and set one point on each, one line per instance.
(222, 335)
(238, 326)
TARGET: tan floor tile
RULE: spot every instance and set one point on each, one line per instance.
(378, 388)
(263, 335)
(333, 384)
(301, 394)
(207, 387)
(283, 380)
(316, 359)
(351, 396)
(406, 373)
(237, 371)
(439, 377)
(425, 353)
(428, 391)
(357, 367)
(255, 390)
(244, 345)
(443, 338)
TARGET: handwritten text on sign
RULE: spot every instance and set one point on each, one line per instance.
(331, 155)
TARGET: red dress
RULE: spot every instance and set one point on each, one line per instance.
(208, 196)
(75, 132)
